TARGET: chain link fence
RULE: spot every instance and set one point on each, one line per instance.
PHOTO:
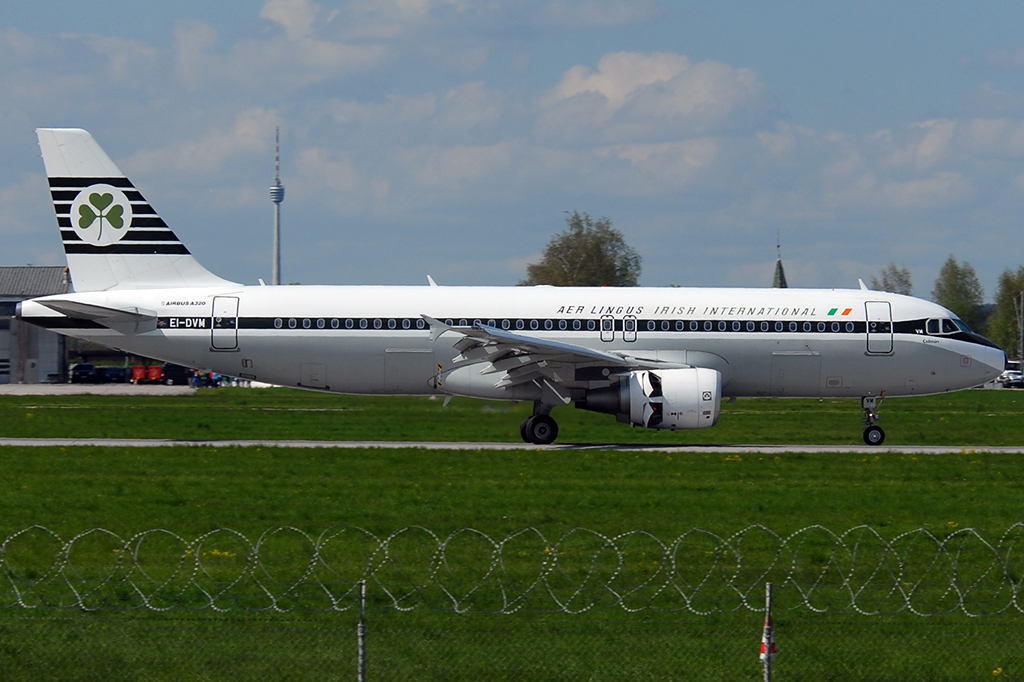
(466, 606)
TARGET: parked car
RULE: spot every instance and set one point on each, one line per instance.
(83, 373)
(111, 375)
(1011, 378)
(176, 375)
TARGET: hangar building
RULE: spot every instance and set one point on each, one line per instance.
(29, 354)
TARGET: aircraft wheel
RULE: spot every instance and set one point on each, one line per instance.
(522, 429)
(874, 435)
(540, 429)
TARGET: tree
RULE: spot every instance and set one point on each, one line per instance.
(1003, 327)
(895, 279)
(958, 289)
(588, 254)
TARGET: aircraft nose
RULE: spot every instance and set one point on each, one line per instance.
(993, 361)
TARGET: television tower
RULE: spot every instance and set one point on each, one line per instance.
(277, 196)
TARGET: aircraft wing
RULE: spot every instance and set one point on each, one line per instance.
(523, 358)
(124, 320)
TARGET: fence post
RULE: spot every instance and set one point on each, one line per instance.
(768, 637)
(361, 634)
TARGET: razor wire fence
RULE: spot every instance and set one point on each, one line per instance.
(469, 606)
(698, 572)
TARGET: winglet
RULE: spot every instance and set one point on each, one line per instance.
(430, 281)
(863, 287)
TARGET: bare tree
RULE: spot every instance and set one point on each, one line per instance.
(588, 254)
(895, 279)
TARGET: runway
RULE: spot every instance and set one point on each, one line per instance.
(497, 447)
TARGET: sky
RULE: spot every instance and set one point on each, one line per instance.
(451, 137)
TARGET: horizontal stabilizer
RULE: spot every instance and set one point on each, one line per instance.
(124, 320)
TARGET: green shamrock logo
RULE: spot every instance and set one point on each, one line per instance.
(104, 211)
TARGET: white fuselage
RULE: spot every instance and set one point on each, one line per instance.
(374, 340)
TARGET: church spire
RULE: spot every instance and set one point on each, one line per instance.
(779, 282)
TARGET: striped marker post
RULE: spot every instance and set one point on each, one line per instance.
(768, 651)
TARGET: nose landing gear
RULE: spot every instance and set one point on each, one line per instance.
(873, 435)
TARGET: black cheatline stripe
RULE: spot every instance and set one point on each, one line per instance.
(121, 248)
(70, 236)
(134, 195)
(62, 209)
(147, 221)
(82, 183)
(150, 236)
(64, 221)
(384, 323)
(65, 323)
(63, 195)
(142, 209)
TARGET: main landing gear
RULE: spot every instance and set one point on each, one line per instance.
(539, 428)
(873, 435)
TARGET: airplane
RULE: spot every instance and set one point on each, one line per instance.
(661, 358)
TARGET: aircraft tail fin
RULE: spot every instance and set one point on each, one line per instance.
(112, 237)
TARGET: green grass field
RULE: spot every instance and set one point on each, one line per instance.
(192, 490)
(968, 418)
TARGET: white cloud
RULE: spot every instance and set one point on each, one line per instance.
(280, 65)
(940, 190)
(650, 96)
(620, 74)
(296, 16)
(252, 132)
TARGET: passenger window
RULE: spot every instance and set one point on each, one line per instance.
(606, 325)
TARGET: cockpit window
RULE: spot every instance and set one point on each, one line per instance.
(961, 325)
(946, 325)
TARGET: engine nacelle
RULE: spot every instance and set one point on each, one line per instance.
(662, 399)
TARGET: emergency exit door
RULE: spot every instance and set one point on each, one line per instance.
(879, 316)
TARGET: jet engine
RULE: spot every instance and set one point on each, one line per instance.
(661, 399)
